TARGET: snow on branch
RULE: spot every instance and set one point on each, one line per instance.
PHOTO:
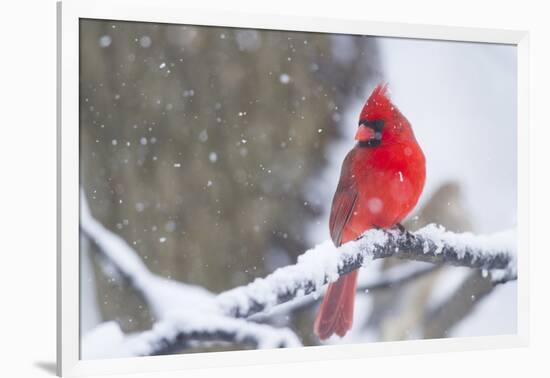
(325, 263)
(186, 314)
(183, 330)
(392, 278)
(213, 318)
(161, 294)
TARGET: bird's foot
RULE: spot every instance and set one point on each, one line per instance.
(400, 227)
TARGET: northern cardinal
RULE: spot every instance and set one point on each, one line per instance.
(381, 180)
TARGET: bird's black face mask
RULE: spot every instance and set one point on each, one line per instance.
(369, 133)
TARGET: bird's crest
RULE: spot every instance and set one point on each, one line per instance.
(379, 105)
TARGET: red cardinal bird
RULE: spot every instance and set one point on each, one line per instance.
(381, 180)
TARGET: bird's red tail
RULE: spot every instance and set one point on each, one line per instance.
(336, 311)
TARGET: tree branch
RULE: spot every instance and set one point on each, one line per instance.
(451, 311)
(177, 326)
(392, 278)
(396, 277)
(325, 263)
(185, 329)
(212, 318)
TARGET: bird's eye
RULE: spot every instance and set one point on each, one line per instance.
(376, 125)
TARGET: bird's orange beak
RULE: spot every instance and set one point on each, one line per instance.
(364, 133)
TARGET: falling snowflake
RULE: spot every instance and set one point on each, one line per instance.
(284, 78)
(145, 41)
(105, 41)
(203, 136)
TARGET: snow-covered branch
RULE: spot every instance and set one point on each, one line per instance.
(325, 263)
(188, 314)
(185, 314)
(184, 330)
(391, 278)
(161, 294)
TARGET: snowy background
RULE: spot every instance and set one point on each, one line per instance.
(214, 154)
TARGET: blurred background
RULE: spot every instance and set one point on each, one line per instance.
(215, 152)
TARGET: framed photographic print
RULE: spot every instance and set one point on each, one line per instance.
(240, 188)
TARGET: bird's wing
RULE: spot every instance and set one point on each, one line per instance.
(344, 201)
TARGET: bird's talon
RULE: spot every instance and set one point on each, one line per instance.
(400, 227)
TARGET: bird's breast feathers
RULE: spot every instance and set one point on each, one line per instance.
(389, 182)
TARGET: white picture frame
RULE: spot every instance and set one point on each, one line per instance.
(172, 11)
